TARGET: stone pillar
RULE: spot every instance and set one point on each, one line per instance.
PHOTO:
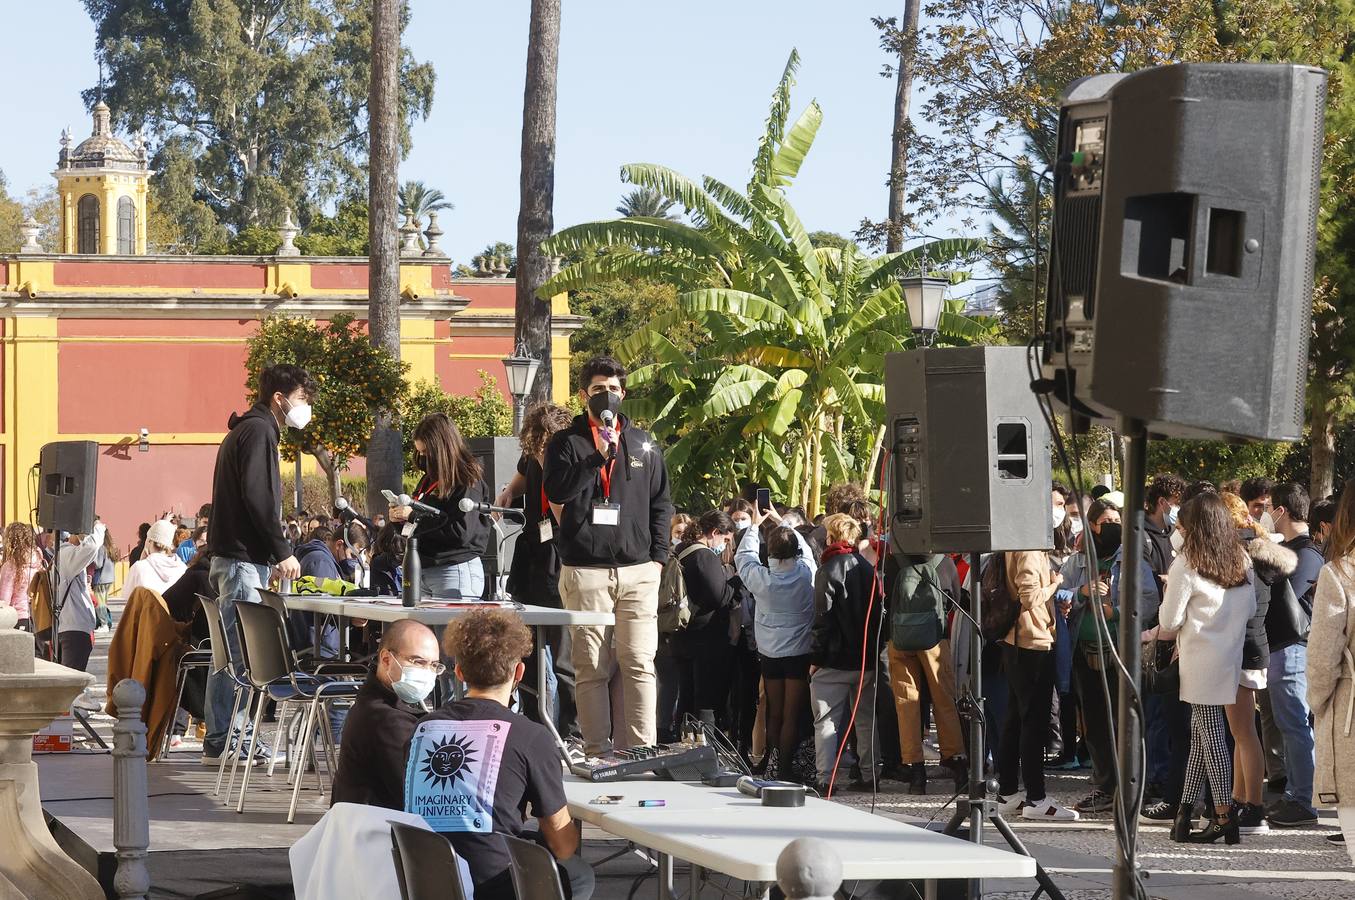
(33, 692)
(30, 229)
(809, 869)
(409, 236)
(131, 815)
(288, 232)
(434, 234)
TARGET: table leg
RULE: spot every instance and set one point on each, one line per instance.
(665, 864)
(763, 889)
(929, 889)
(543, 703)
(694, 878)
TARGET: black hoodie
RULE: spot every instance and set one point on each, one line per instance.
(247, 492)
(639, 485)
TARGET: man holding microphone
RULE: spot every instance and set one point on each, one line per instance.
(246, 536)
(610, 482)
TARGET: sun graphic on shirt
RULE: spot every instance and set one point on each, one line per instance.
(448, 760)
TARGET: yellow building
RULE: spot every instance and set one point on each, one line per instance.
(102, 188)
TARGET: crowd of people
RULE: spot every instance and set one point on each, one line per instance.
(824, 654)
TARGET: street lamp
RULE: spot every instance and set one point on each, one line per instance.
(521, 371)
(926, 297)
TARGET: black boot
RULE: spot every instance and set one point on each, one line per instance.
(959, 770)
(1185, 812)
(1221, 825)
(917, 778)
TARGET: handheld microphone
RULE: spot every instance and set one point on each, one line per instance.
(608, 420)
(417, 509)
(466, 504)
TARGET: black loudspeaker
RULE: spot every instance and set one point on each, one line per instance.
(67, 475)
(969, 451)
(1181, 261)
(498, 458)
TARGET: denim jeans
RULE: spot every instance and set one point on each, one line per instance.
(463, 580)
(1287, 683)
(235, 581)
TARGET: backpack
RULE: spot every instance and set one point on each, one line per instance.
(999, 610)
(917, 610)
(675, 613)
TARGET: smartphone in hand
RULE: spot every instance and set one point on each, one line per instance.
(764, 499)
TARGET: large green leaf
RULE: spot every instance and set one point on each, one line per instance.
(775, 129)
(647, 234)
(837, 460)
(934, 255)
(623, 265)
(759, 226)
(791, 154)
(882, 303)
(676, 186)
(775, 419)
(955, 327)
(848, 394)
(789, 381)
(794, 230)
(781, 357)
(734, 303)
(737, 392)
(633, 345)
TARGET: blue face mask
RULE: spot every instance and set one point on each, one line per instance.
(720, 547)
(1170, 516)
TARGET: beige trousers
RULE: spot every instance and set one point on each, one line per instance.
(906, 673)
(631, 593)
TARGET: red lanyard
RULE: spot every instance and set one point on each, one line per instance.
(606, 471)
(419, 495)
(545, 504)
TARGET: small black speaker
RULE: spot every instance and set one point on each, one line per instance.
(66, 480)
(969, 451)
(1181, 259)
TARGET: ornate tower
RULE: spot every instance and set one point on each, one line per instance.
(102, 188)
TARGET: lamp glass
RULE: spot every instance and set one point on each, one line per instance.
(926, 297)
(520, 369)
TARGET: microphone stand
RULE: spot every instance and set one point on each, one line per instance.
(981, 803)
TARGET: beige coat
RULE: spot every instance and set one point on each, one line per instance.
(1331, 684)
(1032, 582)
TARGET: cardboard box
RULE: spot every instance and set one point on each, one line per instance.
(56, 737)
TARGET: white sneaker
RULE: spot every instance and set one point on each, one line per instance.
(87, 703)
(1048, 811)
(1010, 806)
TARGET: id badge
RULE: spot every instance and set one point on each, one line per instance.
(606, 514)
(546, 531)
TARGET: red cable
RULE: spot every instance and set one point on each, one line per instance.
(875, 583)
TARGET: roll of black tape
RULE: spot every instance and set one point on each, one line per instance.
(783, 795)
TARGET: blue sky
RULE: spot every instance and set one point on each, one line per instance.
(685, 85)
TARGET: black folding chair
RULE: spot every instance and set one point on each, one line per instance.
(535, 874)
(425, 864)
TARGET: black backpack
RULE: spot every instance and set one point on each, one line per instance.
(917, 618)
(999, 610)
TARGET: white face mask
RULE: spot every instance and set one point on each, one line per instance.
(1076, 526)
(1059, 515)
(1178, 540)
(414, 685)
(1172, 514)
(299, 415)
(1267, 523)
(741, 524)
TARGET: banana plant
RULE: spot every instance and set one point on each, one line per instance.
(785, 386)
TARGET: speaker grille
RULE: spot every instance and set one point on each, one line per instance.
(1078, 235)
(1306, 308)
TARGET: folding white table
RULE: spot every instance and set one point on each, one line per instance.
(721, 830)
(385, 609)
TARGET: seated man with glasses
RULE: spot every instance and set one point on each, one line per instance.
(379, 726)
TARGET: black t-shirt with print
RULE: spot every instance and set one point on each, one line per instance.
(528, 774)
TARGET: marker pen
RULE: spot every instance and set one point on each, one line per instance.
(653, 802)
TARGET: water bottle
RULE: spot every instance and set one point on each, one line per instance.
(413, 575)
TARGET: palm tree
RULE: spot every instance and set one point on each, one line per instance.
(647, 204)
(419, 200)
(785, 385)
(536, 187)
(385, 463)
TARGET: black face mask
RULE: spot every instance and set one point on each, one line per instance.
(603, 400)
(421, 461)
(1107, 540)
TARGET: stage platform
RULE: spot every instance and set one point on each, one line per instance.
(198, 847)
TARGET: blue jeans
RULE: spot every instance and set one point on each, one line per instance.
(1287, 682)
(235, 581)
(463, 580)
(1159, 740)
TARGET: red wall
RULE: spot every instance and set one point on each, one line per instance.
(135, 487)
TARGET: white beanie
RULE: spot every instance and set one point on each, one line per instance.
(162, 532)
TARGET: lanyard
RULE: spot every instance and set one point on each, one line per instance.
(605, 473)
(419, 495)
(545, 504)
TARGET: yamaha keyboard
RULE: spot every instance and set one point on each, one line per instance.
(675, 762)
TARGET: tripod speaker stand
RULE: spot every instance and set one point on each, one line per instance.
(981, 804)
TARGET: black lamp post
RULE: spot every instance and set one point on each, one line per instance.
(520, 369)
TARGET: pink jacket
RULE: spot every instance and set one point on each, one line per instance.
(14, 581)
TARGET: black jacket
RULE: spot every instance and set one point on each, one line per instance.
(535, 573)
(247, 492)
(639, 484)
(455, 536)
(845, 592)
(1157, 549)
(1290, 618)
(372, 755)
(1272, 563)
(710, 595)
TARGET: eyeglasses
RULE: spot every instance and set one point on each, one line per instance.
(419, 662)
